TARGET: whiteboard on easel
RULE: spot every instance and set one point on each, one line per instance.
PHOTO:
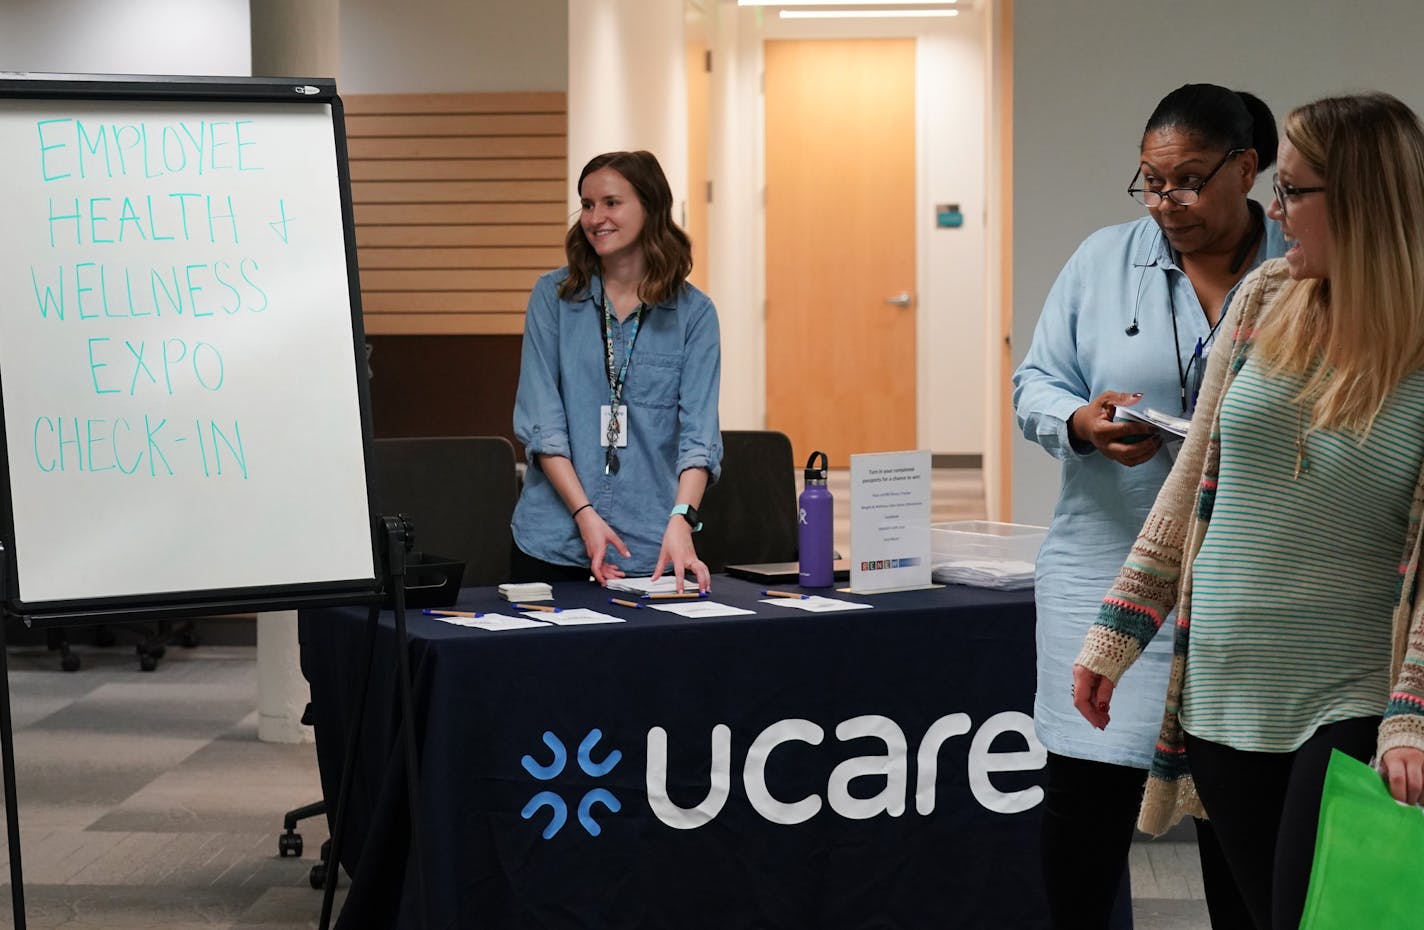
(183, 409)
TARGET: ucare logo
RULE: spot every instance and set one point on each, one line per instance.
(892, 767)
(555, 768)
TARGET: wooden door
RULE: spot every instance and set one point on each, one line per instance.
(840, 245)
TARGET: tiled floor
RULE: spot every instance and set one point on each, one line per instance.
(147, 801)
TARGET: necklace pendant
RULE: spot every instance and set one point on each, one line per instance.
(1302, 462)
(610, 462)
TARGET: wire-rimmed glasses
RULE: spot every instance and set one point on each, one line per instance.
(1186, 196)
(1284, 192)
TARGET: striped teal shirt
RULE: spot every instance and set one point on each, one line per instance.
(1297, 578)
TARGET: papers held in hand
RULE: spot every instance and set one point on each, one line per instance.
(1167, 423)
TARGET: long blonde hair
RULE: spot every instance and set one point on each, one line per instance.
(1358, 332)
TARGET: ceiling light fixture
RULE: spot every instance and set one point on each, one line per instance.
(844, 2)
(863, 14)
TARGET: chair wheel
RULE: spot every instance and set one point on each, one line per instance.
(147, 662)
(69, 663)
(289, 844)
(317, 876)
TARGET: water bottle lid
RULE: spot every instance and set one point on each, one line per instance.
(817, 475)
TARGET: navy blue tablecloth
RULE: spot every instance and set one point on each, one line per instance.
(866, 769)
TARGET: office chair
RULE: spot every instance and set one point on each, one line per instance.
(749, 515)
(459, 493)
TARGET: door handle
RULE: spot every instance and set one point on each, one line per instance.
(901, 300)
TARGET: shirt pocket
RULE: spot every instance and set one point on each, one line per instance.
(654, 380)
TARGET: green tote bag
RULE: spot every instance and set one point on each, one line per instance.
(1369, 855)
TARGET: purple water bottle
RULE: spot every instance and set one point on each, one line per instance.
(815, 527)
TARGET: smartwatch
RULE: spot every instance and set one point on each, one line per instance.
(688, 513)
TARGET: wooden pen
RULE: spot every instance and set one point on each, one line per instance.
(674, 596)
(622, 603)
(790, 594)
(544, 607)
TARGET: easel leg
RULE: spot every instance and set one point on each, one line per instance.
(12, 805)
(407, 717)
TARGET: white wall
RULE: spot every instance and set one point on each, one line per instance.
(452, 46)
(197, 37)
(1087, 76)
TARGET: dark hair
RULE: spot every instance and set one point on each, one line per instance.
(667, 252)
(1220, 118)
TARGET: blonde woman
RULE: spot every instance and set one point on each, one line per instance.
(1289, 533)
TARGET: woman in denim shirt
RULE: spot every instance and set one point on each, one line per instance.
(618, 386)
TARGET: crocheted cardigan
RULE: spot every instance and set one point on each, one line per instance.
(1157, 576)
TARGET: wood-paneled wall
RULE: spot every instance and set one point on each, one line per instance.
(459, 202)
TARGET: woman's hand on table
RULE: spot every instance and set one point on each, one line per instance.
(679, 555)
(597, 536)
(1093, 424)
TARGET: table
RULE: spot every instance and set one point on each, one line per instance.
(866, 769)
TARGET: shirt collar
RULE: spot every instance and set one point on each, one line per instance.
(593, 293)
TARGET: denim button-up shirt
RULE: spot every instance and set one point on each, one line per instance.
(671, 395)
(1080, 349)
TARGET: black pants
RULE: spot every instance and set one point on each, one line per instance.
(1266, 805)
(1089, 815)
(524, 567)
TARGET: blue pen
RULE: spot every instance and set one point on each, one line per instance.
(674, 596)
(451, 613)
(622, 603)
(790, 594)
(544, 607)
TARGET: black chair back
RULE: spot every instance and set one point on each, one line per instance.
(460, 493)
(749, 515)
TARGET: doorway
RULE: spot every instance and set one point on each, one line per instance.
(840, 244)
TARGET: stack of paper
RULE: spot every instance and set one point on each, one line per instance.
(1003, 574)
(527, 591)
(667, 584)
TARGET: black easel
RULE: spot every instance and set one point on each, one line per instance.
(7, 761)
(397, 536)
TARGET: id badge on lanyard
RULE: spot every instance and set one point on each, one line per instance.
(613, 416)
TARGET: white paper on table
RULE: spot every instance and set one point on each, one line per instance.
(701, 609)
(816, 603)
(577, 616)
(493, 622)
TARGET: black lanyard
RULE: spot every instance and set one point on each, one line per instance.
(615, 382)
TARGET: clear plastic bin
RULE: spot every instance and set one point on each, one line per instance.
(983, 540)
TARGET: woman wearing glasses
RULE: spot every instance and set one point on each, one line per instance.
(618, 384)
(1288, 535)
(1129, 320)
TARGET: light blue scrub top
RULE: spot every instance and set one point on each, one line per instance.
(1081, 349)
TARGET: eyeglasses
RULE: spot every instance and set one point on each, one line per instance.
(1285, 191)
(1186, 196)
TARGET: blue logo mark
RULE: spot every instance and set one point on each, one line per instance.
(559, 811)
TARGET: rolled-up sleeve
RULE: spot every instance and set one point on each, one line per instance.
(699, 442)
(539, 419)
(1049, 384)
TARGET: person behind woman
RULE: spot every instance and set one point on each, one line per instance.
(1289, 533)
(617, 397)
(1135, 310)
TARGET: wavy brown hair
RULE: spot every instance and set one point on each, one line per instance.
(667, 252)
